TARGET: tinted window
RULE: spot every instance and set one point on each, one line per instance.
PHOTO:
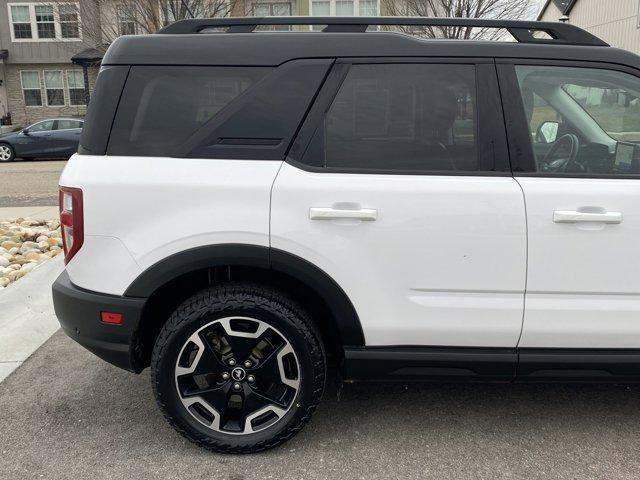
(41, 127)
(69, 124)
(405, 117)
(161, 107)
(582, 120)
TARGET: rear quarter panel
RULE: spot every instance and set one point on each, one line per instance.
(140, 210)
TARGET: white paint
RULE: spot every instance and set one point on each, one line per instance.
(141, 210)
(583, 285)
(443, 264)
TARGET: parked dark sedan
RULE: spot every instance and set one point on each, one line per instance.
(52, 138)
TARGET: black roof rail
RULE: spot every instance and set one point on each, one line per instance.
(522, 30)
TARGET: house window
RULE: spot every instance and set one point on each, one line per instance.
(279, 9)
(44, 21)
(344, 8)
(30, 80)
(54, 88)
(368, 8)
(69, 20)
(21, 21)
(75, 80)
(126, 20)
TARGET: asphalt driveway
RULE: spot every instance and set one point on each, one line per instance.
(67, 415)
(32, 183)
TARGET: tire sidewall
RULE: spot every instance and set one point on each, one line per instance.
(280, 318)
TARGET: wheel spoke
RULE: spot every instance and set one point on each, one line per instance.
(257, 389)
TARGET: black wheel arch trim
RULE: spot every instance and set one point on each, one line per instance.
(255, 256)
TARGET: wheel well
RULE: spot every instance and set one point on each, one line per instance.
(164, 300)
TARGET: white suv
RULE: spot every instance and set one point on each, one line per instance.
(248, 209)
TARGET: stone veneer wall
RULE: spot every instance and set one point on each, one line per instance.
(22, 115)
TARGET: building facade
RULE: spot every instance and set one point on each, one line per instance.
(38, 78)
(617, 22)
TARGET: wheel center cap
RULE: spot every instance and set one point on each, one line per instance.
(238, 374)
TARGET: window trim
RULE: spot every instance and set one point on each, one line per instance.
(46, 97)
(491, 131)
(68, 85)
(59, 22)
(39, 88)
(52, 22)
(520, 145)
(121, 19)
(34, 24)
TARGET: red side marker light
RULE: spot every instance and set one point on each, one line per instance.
(113, 318)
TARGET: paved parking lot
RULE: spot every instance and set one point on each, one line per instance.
(67, 415)
(27, 184)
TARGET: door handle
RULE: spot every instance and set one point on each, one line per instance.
(566, 216)
(328, 213)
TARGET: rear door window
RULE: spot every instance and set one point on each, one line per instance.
(68, 124)
(161, 107)
(404, 117)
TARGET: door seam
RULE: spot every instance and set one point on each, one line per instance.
(273, 184)
(526, 265)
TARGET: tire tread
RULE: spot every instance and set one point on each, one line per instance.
(231, 296)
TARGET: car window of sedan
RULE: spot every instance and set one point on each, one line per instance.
(69, 124)
(41, 127)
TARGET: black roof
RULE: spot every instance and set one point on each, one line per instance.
(174, 47)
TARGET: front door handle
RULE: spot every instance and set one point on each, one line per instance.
(566, 216)
(328, 213)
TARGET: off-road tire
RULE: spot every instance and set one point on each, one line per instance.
(249, 300)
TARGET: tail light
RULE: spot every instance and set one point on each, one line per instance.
(71, 221)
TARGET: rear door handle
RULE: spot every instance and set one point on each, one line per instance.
(567, 216)
(328, 213)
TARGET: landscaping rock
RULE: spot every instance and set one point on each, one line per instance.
(24, 244)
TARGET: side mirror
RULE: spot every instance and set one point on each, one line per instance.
(25, 131)
(547, 132)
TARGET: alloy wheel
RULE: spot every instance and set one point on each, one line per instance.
(237, 375)
(5, 153)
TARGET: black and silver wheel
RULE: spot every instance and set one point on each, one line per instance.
(7, 153)
(238, 368)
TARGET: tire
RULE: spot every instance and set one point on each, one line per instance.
(7, 153)
(288, 366)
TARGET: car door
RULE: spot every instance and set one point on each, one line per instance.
(35, 140)
(399, 188)
(583, 204)
(66, 136)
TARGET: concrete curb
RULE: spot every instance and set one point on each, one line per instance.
(41, 213)
(27, 318)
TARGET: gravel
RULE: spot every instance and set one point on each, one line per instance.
(24, 244)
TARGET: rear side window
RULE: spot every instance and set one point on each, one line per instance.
(69, 124)
(404, 117)
(161, 107)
